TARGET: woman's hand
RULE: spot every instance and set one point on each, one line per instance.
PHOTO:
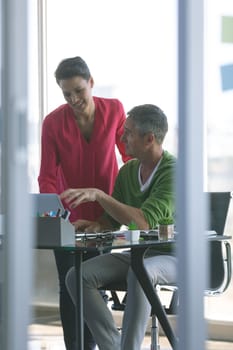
(76, 196)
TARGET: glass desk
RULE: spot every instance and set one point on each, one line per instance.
(105, 242)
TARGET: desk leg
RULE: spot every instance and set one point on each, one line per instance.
(79, 301)
(137, 256)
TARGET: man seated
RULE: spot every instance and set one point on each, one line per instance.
(144, 194)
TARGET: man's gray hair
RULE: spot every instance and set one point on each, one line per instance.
(149, 118)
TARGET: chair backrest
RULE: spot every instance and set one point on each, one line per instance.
(218, 208)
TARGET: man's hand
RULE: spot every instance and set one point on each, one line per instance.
(120, 212)
(87, 226)
(76, 196)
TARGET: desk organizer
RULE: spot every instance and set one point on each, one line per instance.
(54, 232)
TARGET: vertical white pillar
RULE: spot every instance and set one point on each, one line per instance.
(42, 56)
(190, 202)
(18, 234)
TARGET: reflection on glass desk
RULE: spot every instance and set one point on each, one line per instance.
(111, 241)
(116, 240)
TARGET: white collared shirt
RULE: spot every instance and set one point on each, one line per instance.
(144, 186)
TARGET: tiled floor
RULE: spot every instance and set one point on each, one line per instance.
(43, 337)
(47, 335)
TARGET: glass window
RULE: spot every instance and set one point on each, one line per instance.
(219, 121)
(131, 49)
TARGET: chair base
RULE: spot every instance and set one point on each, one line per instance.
(154, 333)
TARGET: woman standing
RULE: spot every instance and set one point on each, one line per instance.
(78, 150)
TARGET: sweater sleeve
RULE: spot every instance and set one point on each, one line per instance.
(119, 133)
(48, 176)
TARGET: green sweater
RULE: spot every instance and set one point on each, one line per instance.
(158, 200)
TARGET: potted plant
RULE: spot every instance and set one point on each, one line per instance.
(132, 226)
(133, 233)
(166, 228)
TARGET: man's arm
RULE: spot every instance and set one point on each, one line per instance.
(120, 212)
(92, 226)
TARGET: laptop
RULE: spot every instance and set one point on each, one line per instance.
(46, 202)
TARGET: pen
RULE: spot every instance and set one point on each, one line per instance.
(66, 214)
(58, 212)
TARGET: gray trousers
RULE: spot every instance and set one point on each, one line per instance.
(113, 267)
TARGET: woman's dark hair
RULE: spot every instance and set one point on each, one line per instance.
(72, 67)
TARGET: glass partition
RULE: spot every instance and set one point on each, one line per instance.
(219, 124)
(131, 49)
(1, 224)
(16, 234)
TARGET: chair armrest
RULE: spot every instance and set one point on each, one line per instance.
(227, 264)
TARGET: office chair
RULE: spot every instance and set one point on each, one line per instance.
(219, 252)
(219, 265)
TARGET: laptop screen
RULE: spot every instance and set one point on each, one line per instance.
(45, 202)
